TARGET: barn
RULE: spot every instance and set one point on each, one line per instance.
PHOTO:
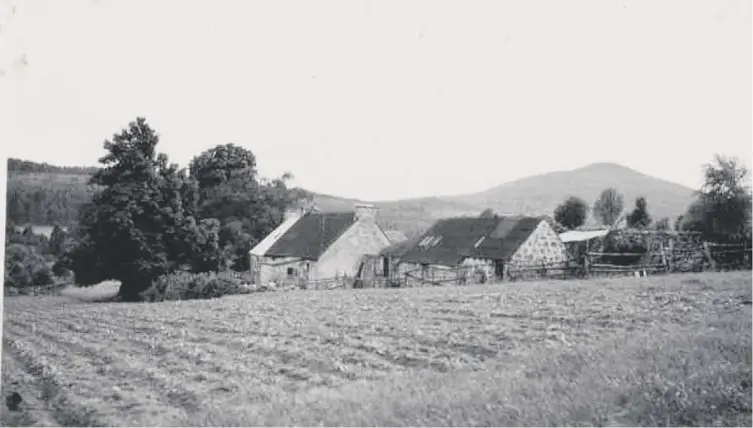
(468, 249)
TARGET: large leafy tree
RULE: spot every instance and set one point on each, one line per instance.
(246, 206)
(608, 207)
(140, 224)
(571, 213)
(221, 164)
(721, 210)
(639, 218)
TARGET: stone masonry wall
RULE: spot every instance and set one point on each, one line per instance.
(345, 255)
(276, 269)
(479, 270)
(542, 247)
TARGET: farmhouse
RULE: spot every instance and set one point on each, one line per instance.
(479, 249)
(311, 248)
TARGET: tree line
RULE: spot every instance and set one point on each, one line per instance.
(29, 203)
(24, 166)
(720, 211)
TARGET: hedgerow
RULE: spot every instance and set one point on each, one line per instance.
(188, 286)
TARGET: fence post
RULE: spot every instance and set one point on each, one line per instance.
(664, 259)
(671, 264)
(707, 251)
(586, 263)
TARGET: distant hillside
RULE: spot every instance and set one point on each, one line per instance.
(45, 200)
(37, 191)
(541, 194)
(43, 194)
(537, 195)
(24, 166)
(411, 216)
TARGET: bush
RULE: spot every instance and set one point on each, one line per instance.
(25, 267)
(624, 245)
(188, 286)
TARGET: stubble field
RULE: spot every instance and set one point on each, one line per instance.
(672, 350)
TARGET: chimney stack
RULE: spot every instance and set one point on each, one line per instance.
(366, 212)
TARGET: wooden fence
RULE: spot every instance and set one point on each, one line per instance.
(687, 258)
(558, 270)
(704, 257)
(668, 259)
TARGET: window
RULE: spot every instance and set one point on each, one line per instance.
(292, 272)
(429, 242)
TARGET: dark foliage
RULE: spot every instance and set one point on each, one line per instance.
(26, 267)
(247, 207)
(57, 241)
(46, 201)
(639, 218)
(27, 238)
(722, 209)
(24, 166)
(616, 244)
(571, 213)
(141, 224)
(187, 286)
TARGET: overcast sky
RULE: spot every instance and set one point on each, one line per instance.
(385, 99)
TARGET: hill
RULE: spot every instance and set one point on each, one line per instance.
(537, 195)
(66, 189)
(46, 198)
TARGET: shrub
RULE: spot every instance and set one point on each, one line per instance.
(188, 286)
(25, 267)
(620, 244)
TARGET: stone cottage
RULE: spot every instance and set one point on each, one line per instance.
(311, 249)
(466, 249)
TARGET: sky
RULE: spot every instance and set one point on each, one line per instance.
(385, 99)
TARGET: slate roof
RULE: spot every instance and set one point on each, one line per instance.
(395, 236)
(449, 241)
(398, 249)
(509, 235)
(311, 235)
(265, 244)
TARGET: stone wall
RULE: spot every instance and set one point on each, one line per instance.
(480, 270)
(283, 271)
(542, 248)
(344, 257)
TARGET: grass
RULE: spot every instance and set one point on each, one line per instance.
(671, 350)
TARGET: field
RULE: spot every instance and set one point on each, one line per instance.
(672, 350)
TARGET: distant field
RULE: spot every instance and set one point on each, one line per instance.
(672, 350)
